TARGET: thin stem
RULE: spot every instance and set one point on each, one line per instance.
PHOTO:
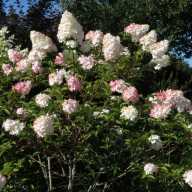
(106, 186)
(43, 167)
(72, 170)
(49, 172)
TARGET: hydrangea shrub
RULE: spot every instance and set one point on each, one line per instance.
(93, 114)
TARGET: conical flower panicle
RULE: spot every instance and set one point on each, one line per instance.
(69, 28)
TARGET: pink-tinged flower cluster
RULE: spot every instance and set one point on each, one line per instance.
(95, 37)
(130, 94)
(14, 56)
(73, 83)
(7, 69)
(117, 86)
(59, 59)
(70, 106)
(167, 95)
(175, 98)
(86, 62)
(22, 87)
(160, 111)
(136, 30)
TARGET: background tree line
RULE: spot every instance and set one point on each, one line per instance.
(171, 18)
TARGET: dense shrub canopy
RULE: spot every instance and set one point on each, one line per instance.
(102, 113)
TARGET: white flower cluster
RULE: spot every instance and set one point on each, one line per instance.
(42, 42)
(21, 112)
(101, 113)
(155, 142)
(69, 28)
(111, 47)
(129, 113)
(70, 106)
(36, 55)
(42, 100)
(41, 45)
(43, 125)
(151, 169)
(14, 127)
(56, 78)
(3, 31)
(158, 51)
(148, 39)
(3, 181)
(187, 176)
(161, 62)
(160, 111)
(71, 44)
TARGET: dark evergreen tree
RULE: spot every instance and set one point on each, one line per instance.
(172, 19)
